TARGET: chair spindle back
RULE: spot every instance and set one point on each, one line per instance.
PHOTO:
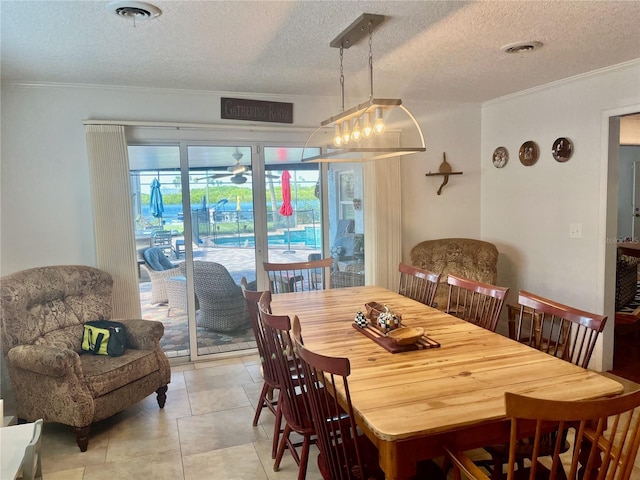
(558, 329)
(607, 437)
(299, 276)
(418, 284)
(476, 302)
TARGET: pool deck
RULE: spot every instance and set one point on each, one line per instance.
(239, 261)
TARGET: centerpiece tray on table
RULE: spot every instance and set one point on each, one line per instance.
(393, 336)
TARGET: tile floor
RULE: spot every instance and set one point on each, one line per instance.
(204, 432)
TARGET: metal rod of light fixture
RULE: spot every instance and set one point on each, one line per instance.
(370, 61)
(341, 79)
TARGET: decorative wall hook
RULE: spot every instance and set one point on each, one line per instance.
(445, 170)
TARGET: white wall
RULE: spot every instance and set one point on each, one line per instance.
(46, 213)
(527, 211)
(46, 199)
(454, 130)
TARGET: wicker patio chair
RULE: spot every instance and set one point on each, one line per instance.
(222, 305)
(159, 268)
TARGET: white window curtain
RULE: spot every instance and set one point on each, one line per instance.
(113, 222)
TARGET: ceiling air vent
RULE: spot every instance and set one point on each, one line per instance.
(134, 10)
(521, 47)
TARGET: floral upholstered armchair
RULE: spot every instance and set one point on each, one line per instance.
(42, 315)
(469, 258)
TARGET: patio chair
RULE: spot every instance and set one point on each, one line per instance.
(159, 268)
(162, 240)
(222, 305)
(347, 251)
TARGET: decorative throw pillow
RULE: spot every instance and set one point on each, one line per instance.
(157, 259)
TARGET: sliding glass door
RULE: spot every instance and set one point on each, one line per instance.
(222, 243)
(206, 217)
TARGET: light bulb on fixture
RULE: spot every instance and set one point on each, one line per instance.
(367, 130)
(337, 139)
(378, 126)
(356, 134)
(346, 133)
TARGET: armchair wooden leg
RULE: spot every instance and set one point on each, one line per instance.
(82, 437)
(162, 396)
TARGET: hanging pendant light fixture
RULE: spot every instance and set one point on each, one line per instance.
(355, 137)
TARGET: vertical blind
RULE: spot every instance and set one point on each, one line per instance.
(113, 221)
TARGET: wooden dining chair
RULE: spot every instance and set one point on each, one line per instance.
(559, 330)
(277, 330)
(344, 453)
(418, 284)
(476, 302)
(298, 276)
(607, 436)
(270, 385)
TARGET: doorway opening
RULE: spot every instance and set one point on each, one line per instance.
(626, 344)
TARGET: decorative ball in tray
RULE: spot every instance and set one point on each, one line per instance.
(382, 318)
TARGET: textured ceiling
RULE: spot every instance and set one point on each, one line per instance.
(430, 50)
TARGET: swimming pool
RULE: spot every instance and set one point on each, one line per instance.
(310, 237)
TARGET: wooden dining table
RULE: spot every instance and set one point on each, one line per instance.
(410, 404)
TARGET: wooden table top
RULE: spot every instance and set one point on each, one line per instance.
(425, 393)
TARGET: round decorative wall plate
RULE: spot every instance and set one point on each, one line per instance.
(562, 149)
(529, 153)
(500, 157)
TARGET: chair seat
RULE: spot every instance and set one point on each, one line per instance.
(104, 374)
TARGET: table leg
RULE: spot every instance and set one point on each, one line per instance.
(397, 463)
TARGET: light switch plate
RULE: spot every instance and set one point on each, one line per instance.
(575, 230)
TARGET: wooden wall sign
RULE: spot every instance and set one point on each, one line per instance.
(256, 110)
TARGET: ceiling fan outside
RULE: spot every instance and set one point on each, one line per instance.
(236, 172)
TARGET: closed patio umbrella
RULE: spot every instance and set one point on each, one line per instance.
(285, 209)
(155, 201)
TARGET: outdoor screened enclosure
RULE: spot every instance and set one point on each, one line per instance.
(236, 206)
